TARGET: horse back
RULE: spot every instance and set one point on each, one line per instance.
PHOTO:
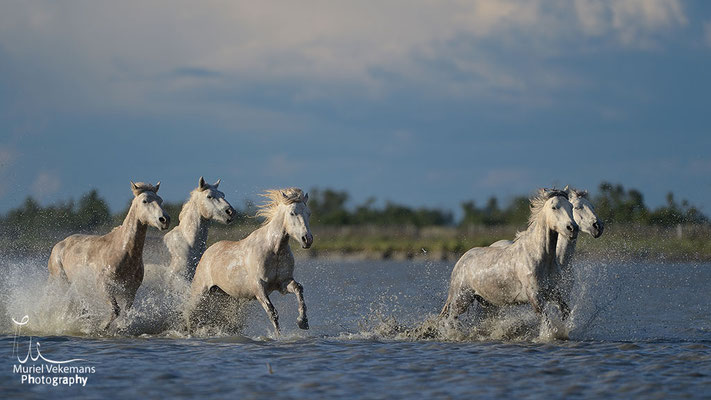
(490, 272)
(69, 253)
(80, 250)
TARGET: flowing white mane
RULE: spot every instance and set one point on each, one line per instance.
(190, 204)
(575, 193)
(537, 203)
(275, 197)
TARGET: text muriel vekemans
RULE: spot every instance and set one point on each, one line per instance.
(53, 375)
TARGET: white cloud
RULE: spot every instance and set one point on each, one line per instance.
(46, 183)
(635, 20)
(280, 166)
(503, 177)
(592, 15)
(7, 159)
(144, 55)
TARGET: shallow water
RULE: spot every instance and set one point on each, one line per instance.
(637, 330)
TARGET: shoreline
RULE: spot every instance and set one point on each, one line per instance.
(620, 242)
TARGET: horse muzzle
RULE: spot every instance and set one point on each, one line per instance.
(164, 222)
(572, 230)
(230, 215)
(598, 229)
(307, 241)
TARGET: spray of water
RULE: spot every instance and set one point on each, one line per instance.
(80, 308)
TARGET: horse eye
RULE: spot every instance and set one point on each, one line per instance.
(292, 213)
(209, 197)
(145, 201)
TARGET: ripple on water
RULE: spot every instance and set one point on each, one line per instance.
(368, 339)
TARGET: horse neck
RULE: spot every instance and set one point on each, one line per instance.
(193, 226)
(131, 235)
(565, 250)
(540, 242)
(276, 238)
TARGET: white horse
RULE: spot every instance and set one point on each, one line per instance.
(254, 267)
(524, 272)
(187, 242)
(117, 257)
(588, 221)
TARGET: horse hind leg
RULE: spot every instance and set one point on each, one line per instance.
(458, 304)
(296, 288)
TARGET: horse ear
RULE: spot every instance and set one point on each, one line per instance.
(566, 188)
(306, 198)
(201, 184)
(157, 186)
(285, 196)
(216, 184)
(134, 189)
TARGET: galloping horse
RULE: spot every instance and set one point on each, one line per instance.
(527, 271)
(117, 257)
(588, 221)
(187, 242)
(254, 267)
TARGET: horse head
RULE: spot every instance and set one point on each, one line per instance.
(296, 220)
(584, 212)
(559, 213)
(148, 205)
(212, 203)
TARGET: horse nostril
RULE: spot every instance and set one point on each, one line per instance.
(596, 225)
(569, 227)
(229, 211)
(161, 219)
(303, 238)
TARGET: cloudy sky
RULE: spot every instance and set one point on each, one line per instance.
(420, 102)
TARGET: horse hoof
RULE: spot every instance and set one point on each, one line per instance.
(303, 323)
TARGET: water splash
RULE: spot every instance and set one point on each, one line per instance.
(384, 301)
(79, 308)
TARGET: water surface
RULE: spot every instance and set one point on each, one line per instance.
(638, 329)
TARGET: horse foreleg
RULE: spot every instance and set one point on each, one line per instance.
(263, 299)
(536, 301)
(115, 312)
(198, 294)
(296, 288)
(564, 308)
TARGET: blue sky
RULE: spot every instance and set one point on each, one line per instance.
(419, 102)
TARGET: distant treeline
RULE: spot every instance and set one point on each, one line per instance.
(614, 204)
